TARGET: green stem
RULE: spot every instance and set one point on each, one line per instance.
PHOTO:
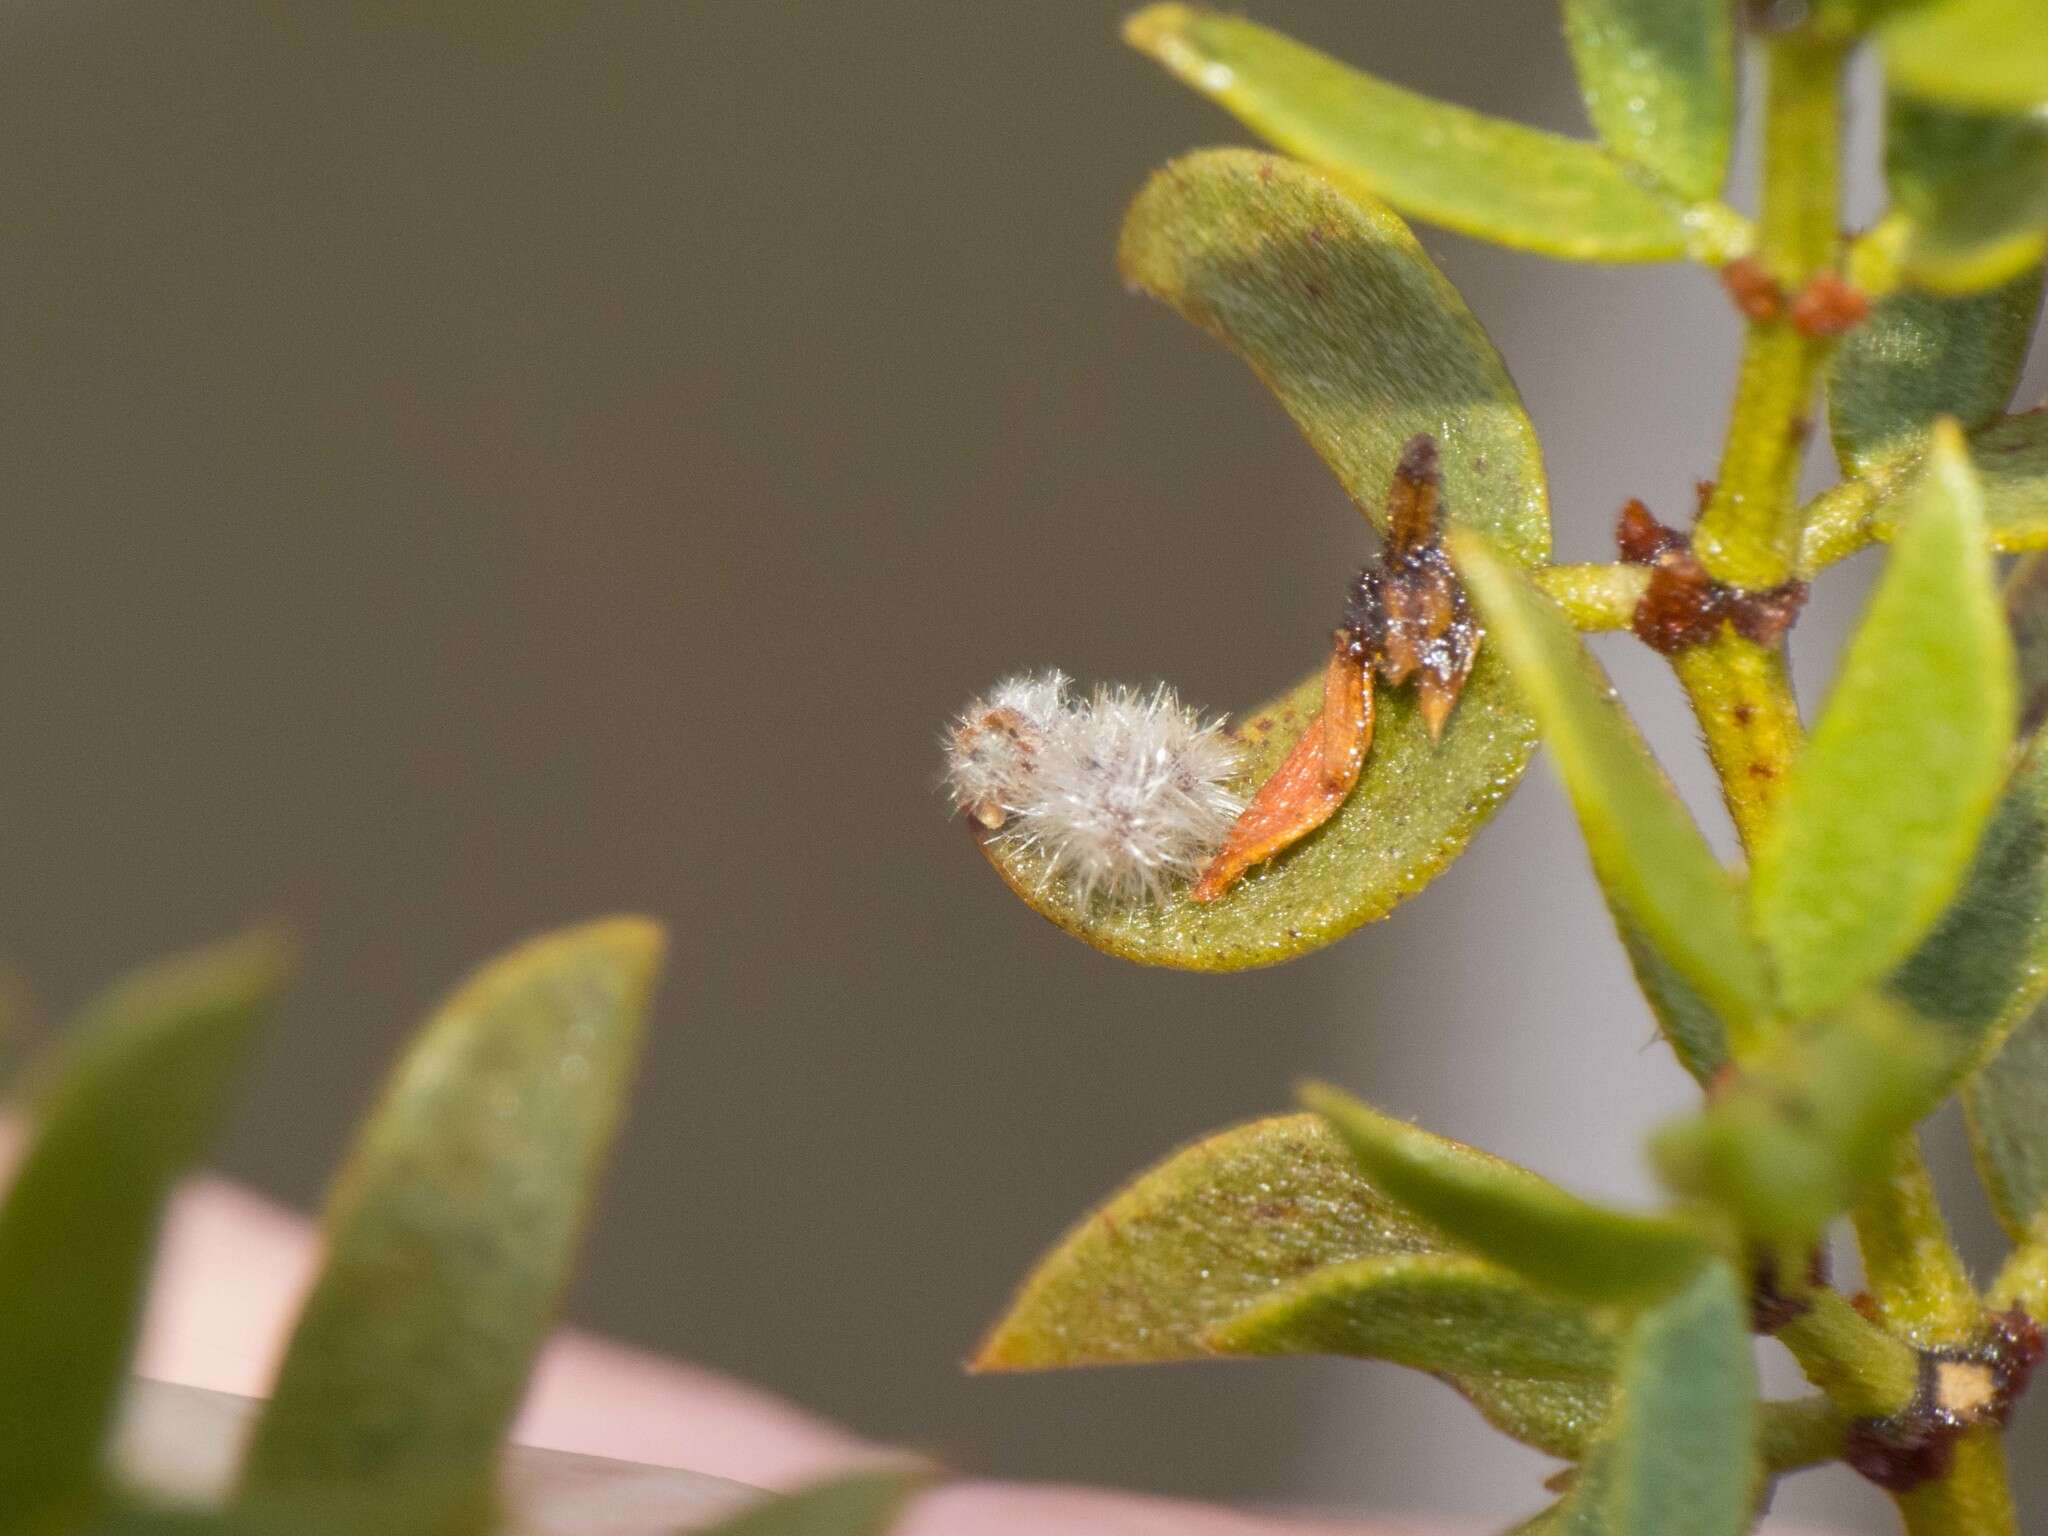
(1974, 1499)
(1596, 596)
(1802, 1432)
(1909, 1262)
(1748, 535)
(1742, 696)
(1865, 1372)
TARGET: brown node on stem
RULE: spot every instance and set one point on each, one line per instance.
(1407, 619)
(1771, 1304)
(1960, 1390)
(1683, 606)
(1756, 293)
(1828, 305)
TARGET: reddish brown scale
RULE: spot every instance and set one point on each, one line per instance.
(1683, 606)
(1771, 1306)
(1828, 306)
(1755, 292)
(1960, 1390)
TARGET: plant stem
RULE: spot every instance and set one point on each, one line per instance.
(1909, 1262)
(1596, 596)
(1974, 1499)
(1864, 1370)
(1748, 535)
(1742, 696)
(1802, 1432)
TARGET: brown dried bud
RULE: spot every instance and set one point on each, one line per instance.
(1755, 292)
(1828, 306)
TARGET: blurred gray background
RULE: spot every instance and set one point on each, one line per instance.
(470, 466)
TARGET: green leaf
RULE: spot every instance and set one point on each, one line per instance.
(1653, 863)
(137, 1091)
(1509, 1214)
(1694, 1029)
(1974, 188)
(1679, 1455)
(1193, 1242)
(2011, 458)
(1481, 176)
(860, 1504)
(450, 1230)
(1790, 1144)
(2007, 1109)
(1339, 311)
(1883, 810)
(1659, 81)
(2026, 614)
(1983, 55)
(1920, 356)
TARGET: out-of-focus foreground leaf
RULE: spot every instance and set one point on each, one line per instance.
(1511, 1215)
(1659, 81)
(1679, 1455)
(1659, 876)
(1921, 356)
(139, 1085)
(450, 1230)
(1338, 310)
(861, 1504)
(1166, 1269)
(1981, 55)
(1481, 176)
(1885, 807)
(1974, 187)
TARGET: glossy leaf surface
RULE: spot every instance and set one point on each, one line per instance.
(1337, 309)
(1983, 55)
(1975, 187)
(1481, 176)
(1511, 1215)
(1920, 356)
(1679, 1456)
(449, 1232)
(140, 1085)
(1883, 810)
(1651, 858)
(1659, 81)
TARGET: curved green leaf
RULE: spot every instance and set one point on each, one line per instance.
(1193, 1242)
(1659, 81)
(1481, 176)
(1974, 187)
(1338, 310)
(1884, 809)
(2011, 458)
(1983, 55)
(1653, 862)
(137, 1092)
(1509, 1214)
(859, 1504)
(2007, 1108)
(1679, 1456)
(1920, 356)
(449, 1233)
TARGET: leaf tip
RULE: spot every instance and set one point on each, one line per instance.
(1157, 30)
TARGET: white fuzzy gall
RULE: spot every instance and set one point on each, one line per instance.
(1123, 794)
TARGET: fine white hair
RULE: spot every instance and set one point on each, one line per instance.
(1122, 794)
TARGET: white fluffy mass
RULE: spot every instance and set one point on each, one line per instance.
(1123, 793)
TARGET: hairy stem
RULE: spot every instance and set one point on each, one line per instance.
(1974, 1499)
(1910, 1264)
(1864, 1370)
(1596, 596)
(1742, 696)
(1802, 1432)
(1748, 535)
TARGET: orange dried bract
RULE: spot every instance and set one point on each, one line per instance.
(1305, 791)
(1828, 306)
(1755, 292)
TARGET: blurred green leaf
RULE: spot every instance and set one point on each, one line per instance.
(1659, 81)
(2026, 615)
(1193, 1242)
(1687, 1021)
(1920, 356)
(1481, 176)
(1789, 1145)
(450, 1230)
(1509, 1214)
(137, 1089)
(1883, 810)
(1653, 863)
(860, 1504)
(2007, 1109)
(1679, 1454)
(1983, 55)
(1338, 310)
(1975, 189)
(1534, 1364)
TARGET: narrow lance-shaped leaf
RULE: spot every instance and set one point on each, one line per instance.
(1679, 1455)
(1659, 81)
(1482, 176)
(449, 1234)
(1884, 809)
(1165, 1269)
(1921, 356)
(1337, 309)
(1652, 860)
(2011, 458)
(1974, 188)
(136, 1093)
(1982, 55)
(1512, 1216)
(860, 1504)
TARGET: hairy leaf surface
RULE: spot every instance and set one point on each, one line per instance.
(1659, 81)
